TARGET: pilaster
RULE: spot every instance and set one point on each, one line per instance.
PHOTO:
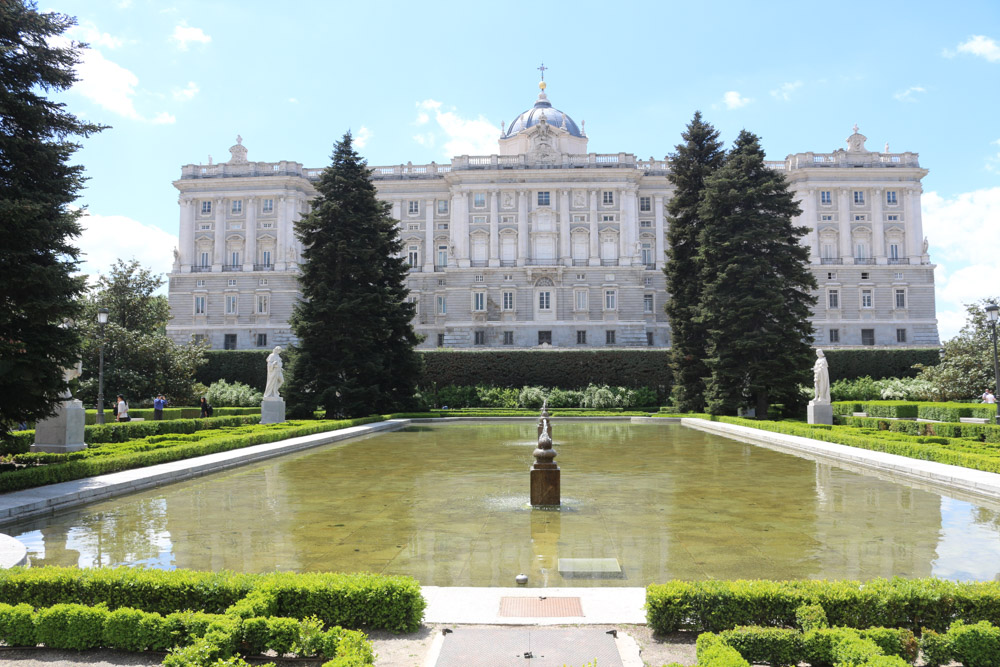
(494, 228)
(878, 227)
(219, 246)
(914, 226)
(250, 235)
(658, 229)
(595, 242)
(429, 248)
(809, 220)
(281, 233)
(565, 256)
(522, 227)
(185, 239)
(844, 224)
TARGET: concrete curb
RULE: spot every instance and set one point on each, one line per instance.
(43, 500)
(938, 475)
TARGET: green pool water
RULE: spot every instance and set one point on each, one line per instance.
(448, 504)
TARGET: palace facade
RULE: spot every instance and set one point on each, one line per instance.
(543, 243)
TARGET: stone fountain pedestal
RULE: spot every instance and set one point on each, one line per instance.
(63, 432)
(819, 412)
(545, 484)
(272, 410)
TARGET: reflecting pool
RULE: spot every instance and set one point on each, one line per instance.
(448, 504)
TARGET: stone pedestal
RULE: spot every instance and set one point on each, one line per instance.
(272, 411)
(545, 489)
(820, 412)
(63, 432)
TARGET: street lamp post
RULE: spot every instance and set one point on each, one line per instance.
(102, 319)
(992, 311)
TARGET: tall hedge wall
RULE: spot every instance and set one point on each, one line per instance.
(567, 369)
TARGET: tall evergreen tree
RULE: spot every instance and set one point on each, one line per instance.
(355, 351)
(39, 292)
(698, 157)
(756, 300)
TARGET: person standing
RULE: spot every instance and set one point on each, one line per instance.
(988, 397)
(206, 409)
(158, 404)
(122, 410)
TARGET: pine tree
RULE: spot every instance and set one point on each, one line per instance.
(698, 157)
(355, 339)
(38, 289)
(756, 299)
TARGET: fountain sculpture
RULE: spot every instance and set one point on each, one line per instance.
(545, 471)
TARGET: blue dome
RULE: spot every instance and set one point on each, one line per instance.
(532, 116)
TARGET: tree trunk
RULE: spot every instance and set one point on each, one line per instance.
(762, 404)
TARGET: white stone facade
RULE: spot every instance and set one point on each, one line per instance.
(545, 243)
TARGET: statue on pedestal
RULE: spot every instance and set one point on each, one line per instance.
(821, 378)
(275, 376)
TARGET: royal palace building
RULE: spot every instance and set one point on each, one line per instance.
(544, 243)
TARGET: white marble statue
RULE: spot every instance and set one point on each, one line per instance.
(821, 378)
(275, 377)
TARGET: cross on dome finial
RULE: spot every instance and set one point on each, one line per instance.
(542, 70)
(855, 128)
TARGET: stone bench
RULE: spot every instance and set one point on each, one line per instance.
(974, 420)
(859, 414)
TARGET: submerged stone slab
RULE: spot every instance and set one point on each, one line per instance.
(594, 568)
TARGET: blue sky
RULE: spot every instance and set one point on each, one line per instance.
(422, 81)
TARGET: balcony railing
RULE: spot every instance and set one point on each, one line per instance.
(263, 267)
(536, 261)
(581, 262)
(232, 267)
(414, 269)
(508, 262)
(864, 260)
(439, 268)
(831, 260)
(651, 267)
(200, 269)
(899, 260)
(609, 262)
(479, 262)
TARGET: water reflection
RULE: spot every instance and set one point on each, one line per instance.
(448, 505)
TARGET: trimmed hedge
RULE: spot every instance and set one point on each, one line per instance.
(171, 413)
(904, 603)
(246, 366)
(362, 600)
(975, 645)
(879, 364)
(975, 432)
(944, 412)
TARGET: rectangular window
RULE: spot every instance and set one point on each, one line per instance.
(860, 218)
(200, 283)
(413, 207)
(647, 303)
(646, 251)
(199, 305)
(900, 299)
(545, 338)
(892, 218)
(833, 298)
(508, 337)
(479, 219)
(262, 282)
(262, 303)
(610, 299)
(581, 337)
(890, 197)
(234, 258)
(609, 337)
(229, 342)
(508, 277)
(834, 335)
(645, 204)
(480, 338)
(900, 335)
(897, 275)
(413, 255)
(265, 256)
(543, 198)
(267, 206)
(442, 305)
(545, 300)
(608, 197)
(867, 336)
(479, 301)
(865, 275)
(649, 338)
(649, 282)
(480, 278)
(205, 226)
(866, 298)
(826, 218)
(237, 206)
(206, 207)
(262, 340)
(442, 255)
(508, 300)
(608, 217)
(581, 300)
(442, 225)
(442, 206)
(859, 197)
(646, 224)
(266, 225)
(825, 197)
(204, 259)
(579, 218)
(413, 227)
(831, 275)
(893, 251)
(231, 282)
(440, 340)
(479, 200)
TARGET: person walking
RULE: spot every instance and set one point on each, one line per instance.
(158, 404)
(121, 410)
(206, 409)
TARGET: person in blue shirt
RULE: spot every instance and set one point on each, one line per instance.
(158, 404)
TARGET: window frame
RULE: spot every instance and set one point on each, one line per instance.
(645, 204)
(544, 198)
(507, 300)
(867, 301)
(607, 197)
(581, 336)
(478, 200)
(610, 300)
(609, 337)
(262, 305)
(833, 335)
(479, 301)
(648, 304)
(859, 197)
(833, 299)
(236, 207)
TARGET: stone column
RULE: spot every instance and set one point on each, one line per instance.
(624, 254)
(522, 227)
(185, 241)
(844, 225)
(565, 255)
(219, 247)
(878, 227)
(914, 226)
(808, 219)
(429, 248)
(455, 228)
(661, 257)
(250, 247)
(281, 232)
(494, 228)
(595, 241)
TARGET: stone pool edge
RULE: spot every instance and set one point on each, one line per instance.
(52, 498)
(940, 475)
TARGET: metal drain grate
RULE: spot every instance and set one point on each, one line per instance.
(525, 607)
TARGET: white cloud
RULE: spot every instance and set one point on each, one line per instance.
(124, 4)
(733, 100)
(88, 32)
(784, 92)
(966, 248)
(982, 46)
(362, 136)
(909, 95)
(993, 161)
(185, 34)
(107, 84)
(163, 118)
(461, 136)
(292, 100)
(107, 238)
(187, 93)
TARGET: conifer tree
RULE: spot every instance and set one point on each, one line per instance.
(698, 157)
(39, 293)
(354, 354)
(756, 298)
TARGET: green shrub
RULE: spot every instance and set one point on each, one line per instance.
(255, 634)
(713, 652)
(559, 398)
(497, 397)
(311, 639)
(810, 617)
(202, 652)
(17, 625)
(775, 646)
(894, 641)
(936, 648)
(531, 398)
(128, 630)
(976, 645)
(236, 395)
(282, 634)
(70, 626)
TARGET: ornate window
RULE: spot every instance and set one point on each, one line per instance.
(544, 198)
